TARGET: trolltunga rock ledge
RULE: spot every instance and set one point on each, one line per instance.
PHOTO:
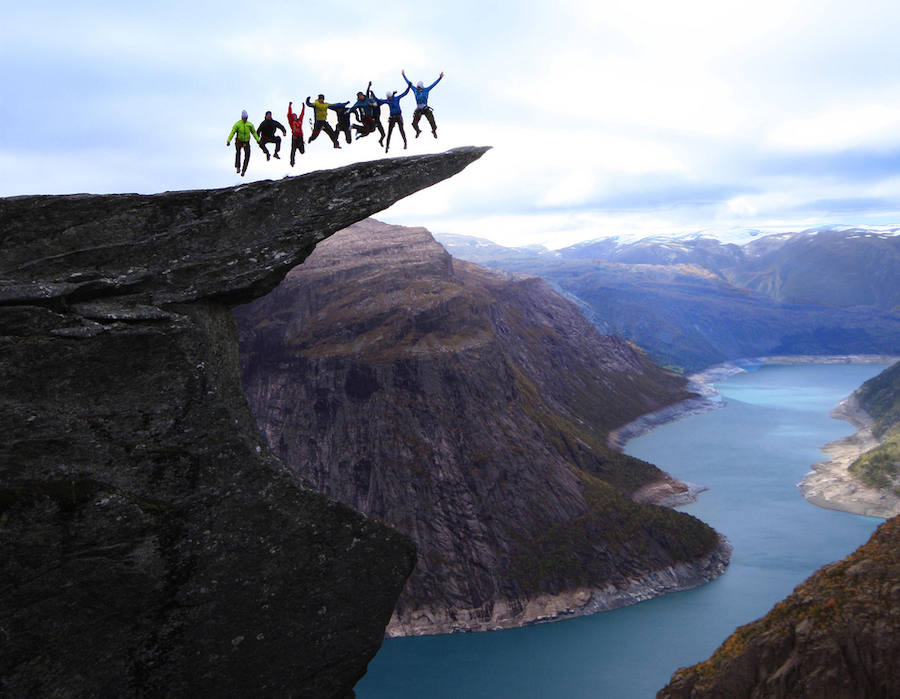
(150, 544)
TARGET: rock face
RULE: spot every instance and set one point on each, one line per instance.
(150, 544)
(469, 410)
(837, 635)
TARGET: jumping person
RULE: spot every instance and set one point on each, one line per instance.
(320, 106)
(242, 131)
(267, 135)
(343, 119)
(422, 108)
(396, 115)
(296, 124)
(368, 112)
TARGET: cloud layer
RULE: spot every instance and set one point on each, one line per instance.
(634, 118)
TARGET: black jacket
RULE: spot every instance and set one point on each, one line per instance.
(266, 128)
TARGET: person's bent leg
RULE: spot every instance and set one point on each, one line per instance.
(415, 122)
(429, 114)
(326, 127)
(277, 147)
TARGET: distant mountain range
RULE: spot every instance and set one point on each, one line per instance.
(694, 301)
(470, 410)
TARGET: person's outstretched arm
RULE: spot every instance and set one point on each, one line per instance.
(403, 73)
(435, 82)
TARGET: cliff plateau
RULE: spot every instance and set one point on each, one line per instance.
(150, 543)
(469, 410)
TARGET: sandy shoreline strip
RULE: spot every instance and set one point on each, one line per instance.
(831, 485)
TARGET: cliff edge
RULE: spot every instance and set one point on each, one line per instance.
(150, 544)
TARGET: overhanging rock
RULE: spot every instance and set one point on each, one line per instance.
(149, 542)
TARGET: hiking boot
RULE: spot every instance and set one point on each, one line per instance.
(276, 156)
(268, 157)
(434, 133)
(417, 133)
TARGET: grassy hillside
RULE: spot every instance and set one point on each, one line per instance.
(880, 396)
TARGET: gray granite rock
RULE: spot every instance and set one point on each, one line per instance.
(150, 544)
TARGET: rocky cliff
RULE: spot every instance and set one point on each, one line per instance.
(837, 635)
(469, 410)
(150, 544)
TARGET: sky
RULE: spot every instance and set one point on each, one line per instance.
(632, 118)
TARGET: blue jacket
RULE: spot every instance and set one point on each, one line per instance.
(394, 102)
(422, 93)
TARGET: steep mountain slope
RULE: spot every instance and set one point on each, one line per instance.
(470, 411)
(836, 635)
(835, 268)
(688, 314)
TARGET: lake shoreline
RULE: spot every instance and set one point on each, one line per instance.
(831, 485)
(583, 601)
(844, 491)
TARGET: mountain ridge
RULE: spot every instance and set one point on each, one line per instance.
(469, 410)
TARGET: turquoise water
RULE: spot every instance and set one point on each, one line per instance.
(750, 455)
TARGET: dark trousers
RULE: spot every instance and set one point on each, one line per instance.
(343, 128)
(326, 127)
(238, 147)
(368, 125)
(398, 120)
(270, 139)
(296, 144)
(428, 114)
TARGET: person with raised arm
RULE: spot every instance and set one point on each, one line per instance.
(422, 108)
(368, 113)
(396, 115)
(296, 124)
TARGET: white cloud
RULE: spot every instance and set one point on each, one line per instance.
(841, 128)
(604, 117)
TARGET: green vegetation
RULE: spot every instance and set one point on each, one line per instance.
(880, 397)
(854, 593)
(615, 539)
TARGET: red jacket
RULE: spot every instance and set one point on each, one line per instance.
(296, 122)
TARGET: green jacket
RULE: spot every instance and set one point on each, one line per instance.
(243, 130)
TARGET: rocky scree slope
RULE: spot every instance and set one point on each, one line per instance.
(469, 410)
(150, 544)
(836, 635)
